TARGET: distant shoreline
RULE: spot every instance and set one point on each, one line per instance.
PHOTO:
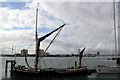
(76, 55)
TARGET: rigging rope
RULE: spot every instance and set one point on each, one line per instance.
(31, 44)
(27, 61)
(53, 39)
(26, 57)
(50, 45)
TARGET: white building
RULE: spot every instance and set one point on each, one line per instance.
(43, 53)
(23, 52)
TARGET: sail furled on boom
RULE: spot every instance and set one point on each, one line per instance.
(42, 38)
(47, 35)
(80, 56)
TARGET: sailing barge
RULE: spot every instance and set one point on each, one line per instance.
(29, 71)
(70, 71)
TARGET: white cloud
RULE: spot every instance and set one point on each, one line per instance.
(88, 24)
(15, 37)
(16, 18)
(15, 0)
(59, 0)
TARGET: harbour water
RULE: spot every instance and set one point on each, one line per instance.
(61, 62)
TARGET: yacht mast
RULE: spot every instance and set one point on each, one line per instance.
(114, 22)
(115, 28)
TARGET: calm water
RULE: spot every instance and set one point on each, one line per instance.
(61, 62)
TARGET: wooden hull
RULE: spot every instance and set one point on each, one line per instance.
(58, 72)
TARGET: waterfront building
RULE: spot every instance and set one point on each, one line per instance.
(24, 52)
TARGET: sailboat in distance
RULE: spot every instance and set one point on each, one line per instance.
(116, 68)
(35, 71)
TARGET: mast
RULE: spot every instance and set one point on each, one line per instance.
(36, 37)
(114, 24)
(38, 40)
(117, 60)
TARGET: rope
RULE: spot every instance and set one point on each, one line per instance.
(44, 62)
(27, 62)
(49, 46)
(53, 39)
(26, 56)
(31, 44)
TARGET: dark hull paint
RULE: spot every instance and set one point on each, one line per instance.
(52, 73)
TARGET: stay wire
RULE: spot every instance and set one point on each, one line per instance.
(50, 45)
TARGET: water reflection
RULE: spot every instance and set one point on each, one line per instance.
(49, 78)
(95, 77)
(112, 76)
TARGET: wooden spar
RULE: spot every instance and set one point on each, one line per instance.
(47, 35)
(36, 37)
(42, 38)
(54, 38)
(38, 40)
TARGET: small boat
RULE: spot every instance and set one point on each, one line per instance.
(116, 68)
(29, 71)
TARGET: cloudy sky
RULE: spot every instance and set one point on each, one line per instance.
(88, 24)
